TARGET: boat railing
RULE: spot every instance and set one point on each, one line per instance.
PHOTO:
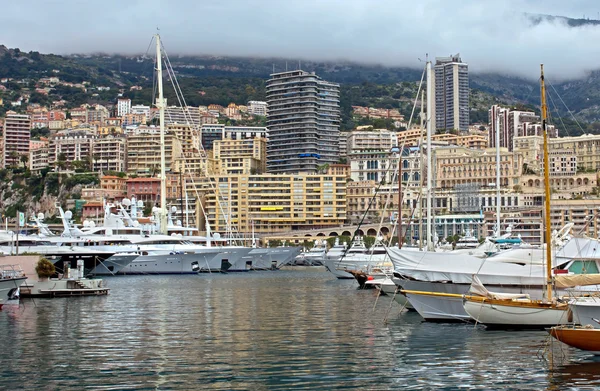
(8, 272)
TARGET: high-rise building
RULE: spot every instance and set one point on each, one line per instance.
(451, 93)
(16, 138)
(123, 106)
(303, 118)
(257, 107)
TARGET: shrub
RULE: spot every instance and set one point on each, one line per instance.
(45, 268)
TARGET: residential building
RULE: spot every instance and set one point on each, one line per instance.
(246, 156)
(123, 106)
(38, 155)
(148, 189)
(143, 153)
(451, 93)
(376, 139)
(113, 186)
(109, 153)
(182, 115)
(456, 165)
(276, 202)
(245, 132)
(303, 121)
(210, 133)
(343, 144)
(514, 123)
(16, 138)
(188, 136)
(69, 146)
(256, 107)
(378, 166)
(140, 110)
(97, 115)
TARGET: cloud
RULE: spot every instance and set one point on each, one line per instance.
(490, 36)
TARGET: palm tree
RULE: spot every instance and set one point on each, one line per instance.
(24, 159)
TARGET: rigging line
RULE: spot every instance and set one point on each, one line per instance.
(364, 216)
(563, 102)
(558, 114)
(189, 121)
(416, 98)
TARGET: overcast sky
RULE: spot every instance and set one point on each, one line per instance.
(490, 35)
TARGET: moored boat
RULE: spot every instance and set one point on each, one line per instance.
(580, 337)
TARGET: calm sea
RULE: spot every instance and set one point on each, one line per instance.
(265, 331)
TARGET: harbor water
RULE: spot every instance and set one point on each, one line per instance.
(265, 331)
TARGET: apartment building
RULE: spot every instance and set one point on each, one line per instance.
(376, 139)
(451, 93)
(148, 189)
(109, 154)
(244, 132)
(377, 166)
(113, 186)
(143, 153)
(188, 136)
(123, 106)
(276, 202)
(303, 121)
(257, 108)
(246, 156)
(16, 138)
(38, 155)
(71, 145)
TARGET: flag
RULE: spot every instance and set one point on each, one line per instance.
(21, 219)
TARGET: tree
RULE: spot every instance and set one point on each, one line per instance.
(24, 159)
(45, 269)
(275, 243)
(13, 157)
(369, 241)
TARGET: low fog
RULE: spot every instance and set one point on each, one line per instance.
(491, 36)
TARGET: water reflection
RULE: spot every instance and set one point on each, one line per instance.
(284, 330)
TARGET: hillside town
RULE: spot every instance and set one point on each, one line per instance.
(348, 176)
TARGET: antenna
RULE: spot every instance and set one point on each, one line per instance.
(273, 67)
(286, 66)
(299, 64)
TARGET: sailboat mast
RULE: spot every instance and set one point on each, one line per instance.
(421, 174)
(160, 104)
(497, 176)
(429, 155)
(548, 238)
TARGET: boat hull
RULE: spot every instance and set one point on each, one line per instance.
(330, 265)
(191, 263)
(578, 337)
(516, 315)
(586, 311)
(113, 265)
(7, 287)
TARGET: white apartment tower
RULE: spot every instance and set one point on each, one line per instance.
(451, 93)
(303, 119)
(17, 132)
(123, 106)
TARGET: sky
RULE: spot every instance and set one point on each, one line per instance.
(490, 35)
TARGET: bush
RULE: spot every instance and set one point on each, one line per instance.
(45, 268)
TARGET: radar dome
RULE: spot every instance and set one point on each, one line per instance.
(178, 223)
(40, 216)
(86, 224)
(155, 209)
(92, 224)
(140, 204)
(173, 209)
(68, 214)
(126, 202)
(216, 236)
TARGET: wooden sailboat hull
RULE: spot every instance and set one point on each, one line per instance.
(507, 314)
(578, 337)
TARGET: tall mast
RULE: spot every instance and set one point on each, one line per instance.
(429, 155)
(497, 175)
(548, 238)
(160, 104)
(421, 174)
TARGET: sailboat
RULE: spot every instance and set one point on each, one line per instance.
(518, 312)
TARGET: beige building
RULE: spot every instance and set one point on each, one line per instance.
(276, 202)
(113, 186)
(109, 154)
(247, 156)
(459, 165)
(143, 153)
(73, 145)
(377, 139)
